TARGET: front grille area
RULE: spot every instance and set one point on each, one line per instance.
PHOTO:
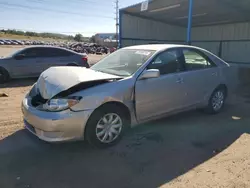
(38, 100)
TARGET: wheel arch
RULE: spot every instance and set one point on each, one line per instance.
(224, 86)
(5, 71)
(110, 104)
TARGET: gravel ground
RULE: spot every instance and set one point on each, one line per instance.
(191, 149)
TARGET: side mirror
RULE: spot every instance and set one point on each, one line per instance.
(150, 73)
(19, 56)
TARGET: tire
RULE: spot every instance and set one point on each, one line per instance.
(4, 75)
(94, 126)
(216, 101)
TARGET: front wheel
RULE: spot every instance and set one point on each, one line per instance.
(216, 101)
(4, 76)
(105, 127)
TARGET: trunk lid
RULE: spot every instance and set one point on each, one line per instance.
(57, 79)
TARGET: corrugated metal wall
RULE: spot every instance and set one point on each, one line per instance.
(213, 47)
(236, 31)
(230, 41)
(136, 30)
(234, 39)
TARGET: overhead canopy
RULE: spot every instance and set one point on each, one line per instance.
(205, 12)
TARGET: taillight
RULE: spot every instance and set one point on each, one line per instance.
(85, 59)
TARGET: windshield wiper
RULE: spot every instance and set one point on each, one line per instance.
(98, 71)
(111, 72)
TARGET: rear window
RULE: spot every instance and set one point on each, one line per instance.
(53, 52)
(218, 61)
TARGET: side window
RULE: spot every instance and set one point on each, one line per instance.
(195, 61)
(66, 53)
(49, 52)
(31, 53)
(53, 52)
(166, 62)
(59, 53)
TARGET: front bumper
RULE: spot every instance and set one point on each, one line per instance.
(54, 126)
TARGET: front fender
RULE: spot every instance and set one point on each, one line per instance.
(94, 101)
(121, 91)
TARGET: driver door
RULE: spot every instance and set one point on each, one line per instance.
(26, 66)
(156, 96)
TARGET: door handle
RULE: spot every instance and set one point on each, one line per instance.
(214, 74)
(179, 80)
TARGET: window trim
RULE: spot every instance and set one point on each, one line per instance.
(59, 52)
(42, 54)
(199, 52)
(180, 60)
(30, 57)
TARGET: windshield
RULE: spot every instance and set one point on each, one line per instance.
(14, 53)
(123, 62)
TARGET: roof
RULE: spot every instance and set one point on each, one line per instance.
(156, 47)
(47, 46)
(205, 12)
(43, 46)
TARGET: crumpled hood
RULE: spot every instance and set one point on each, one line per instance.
(57, 79)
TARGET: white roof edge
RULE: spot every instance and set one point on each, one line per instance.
(157, 47)
(134, 5)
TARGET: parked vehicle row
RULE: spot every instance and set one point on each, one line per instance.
(130, 86)
(80, 47)
(24, 42)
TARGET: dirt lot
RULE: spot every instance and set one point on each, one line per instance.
(191, 149)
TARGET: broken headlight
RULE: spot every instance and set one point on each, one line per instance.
(60, 104)
(33, 90)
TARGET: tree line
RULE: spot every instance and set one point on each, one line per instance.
(77, 37)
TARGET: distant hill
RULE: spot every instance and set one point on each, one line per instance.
(35, 34)
(17, 34)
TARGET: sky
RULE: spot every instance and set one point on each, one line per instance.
(61, 16)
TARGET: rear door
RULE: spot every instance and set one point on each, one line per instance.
(201, 76)
(58, 57)
(29, 65)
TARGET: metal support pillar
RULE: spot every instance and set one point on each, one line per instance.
(220, 50)
(189, 29)
(120, 29)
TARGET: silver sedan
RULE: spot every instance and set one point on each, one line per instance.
(32, 61)
(130, 86)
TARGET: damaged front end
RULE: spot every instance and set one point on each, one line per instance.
(62, 100)
(55, 85)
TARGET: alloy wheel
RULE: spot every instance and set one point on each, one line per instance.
(109, 127)
(218, 100)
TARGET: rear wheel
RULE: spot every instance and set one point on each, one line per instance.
(106, 126)
(4, 75)
(217, 101)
